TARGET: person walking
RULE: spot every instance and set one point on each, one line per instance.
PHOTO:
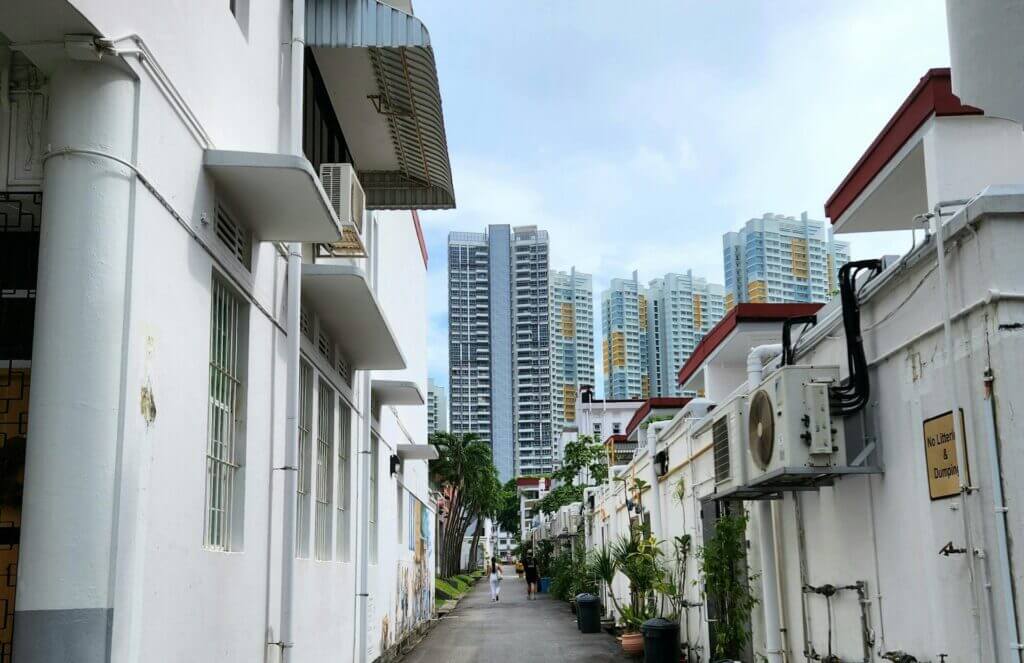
(532, 577)
(519, 568)
(495, 580)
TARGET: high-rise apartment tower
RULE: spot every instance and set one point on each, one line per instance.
(498, 333)
(778, 259)
(571, 298)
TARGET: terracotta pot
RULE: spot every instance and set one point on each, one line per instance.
(632, 643)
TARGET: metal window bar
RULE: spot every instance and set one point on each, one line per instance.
(343, 481)
(303, 488)
(374, 498)
(222, 425)
(324, 462)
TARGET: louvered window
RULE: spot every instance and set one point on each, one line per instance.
(323, 345)
(235, 237)
(306, 323)
(344, 369)
(720, 438)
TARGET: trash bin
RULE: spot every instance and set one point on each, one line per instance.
(544, 583)
(661, 641)
(588, 614)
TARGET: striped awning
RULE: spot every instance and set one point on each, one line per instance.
(379, 68)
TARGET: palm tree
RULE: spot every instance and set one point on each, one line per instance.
(469, 482)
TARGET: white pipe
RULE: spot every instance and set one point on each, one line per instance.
(999, 508)
(363, 536)
(657, 529)
(293, 325)
(958, 424)
(766, 541)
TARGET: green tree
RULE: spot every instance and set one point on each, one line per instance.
(469, 486)
(507, 515)
(584, 461)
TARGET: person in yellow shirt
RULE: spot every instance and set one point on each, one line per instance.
(519, 568)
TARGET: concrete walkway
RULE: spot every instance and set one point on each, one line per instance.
(512, 630)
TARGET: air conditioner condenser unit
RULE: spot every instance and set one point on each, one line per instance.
(789, 424)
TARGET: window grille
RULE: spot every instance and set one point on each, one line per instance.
(305, 429)
(374, 497)
(344, 482)
(324, 461)
(234, 236)
(223, 418)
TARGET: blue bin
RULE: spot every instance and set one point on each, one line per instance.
(544, 584)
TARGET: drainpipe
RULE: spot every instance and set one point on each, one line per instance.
(652, 475)
(292, 325)
(766, 541)
(958, 422)
(999, 507)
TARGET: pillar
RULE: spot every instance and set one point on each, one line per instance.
(64, 606)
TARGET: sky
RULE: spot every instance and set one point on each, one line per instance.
(637, 133)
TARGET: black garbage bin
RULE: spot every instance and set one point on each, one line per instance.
(661, 641)
(588, 613)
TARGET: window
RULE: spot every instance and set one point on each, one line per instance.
(305, 432)
(400, 502)
(616, 428)
(374, 497)
(324, 463)
(344, 454)
(225, 424)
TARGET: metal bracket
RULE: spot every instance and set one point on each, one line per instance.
(290, 468)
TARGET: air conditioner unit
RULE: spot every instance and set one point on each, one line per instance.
(348, 201)
(724, 430)
(789, 424)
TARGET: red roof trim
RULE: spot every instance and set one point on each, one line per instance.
(740, 313)
(419, 236)
(613, 439)
(532, 481)
(650, 404)
(933, 95)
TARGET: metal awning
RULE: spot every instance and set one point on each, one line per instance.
(378, 66)
(348, 308)
(397, 392)
(278, 196)
(418, 452)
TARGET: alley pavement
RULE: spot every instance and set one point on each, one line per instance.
(512, 630)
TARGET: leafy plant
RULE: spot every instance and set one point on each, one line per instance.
(640, 559)
(727, 582)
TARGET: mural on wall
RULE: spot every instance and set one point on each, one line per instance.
(414, 598)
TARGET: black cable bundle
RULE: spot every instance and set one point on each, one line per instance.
(853, 394)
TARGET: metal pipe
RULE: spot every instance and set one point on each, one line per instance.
(1000, 510)
(766, 541)
(958, 424)
(293, 325)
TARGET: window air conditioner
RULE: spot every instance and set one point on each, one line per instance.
(789, 424)
(349, 202)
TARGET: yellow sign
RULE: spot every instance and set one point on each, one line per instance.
(940, 456)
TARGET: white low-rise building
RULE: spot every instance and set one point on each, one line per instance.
(871, 535)
(215, 393)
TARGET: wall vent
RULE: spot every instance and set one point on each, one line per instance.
(306, 323)
(234, 236)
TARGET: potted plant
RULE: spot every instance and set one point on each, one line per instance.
(603, 568)
(640, 560)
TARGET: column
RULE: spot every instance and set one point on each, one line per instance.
(64, 604)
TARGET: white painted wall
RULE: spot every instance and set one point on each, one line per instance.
(172, 596)
(919, 600)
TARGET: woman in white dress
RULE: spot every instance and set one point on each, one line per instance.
(495, 579)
